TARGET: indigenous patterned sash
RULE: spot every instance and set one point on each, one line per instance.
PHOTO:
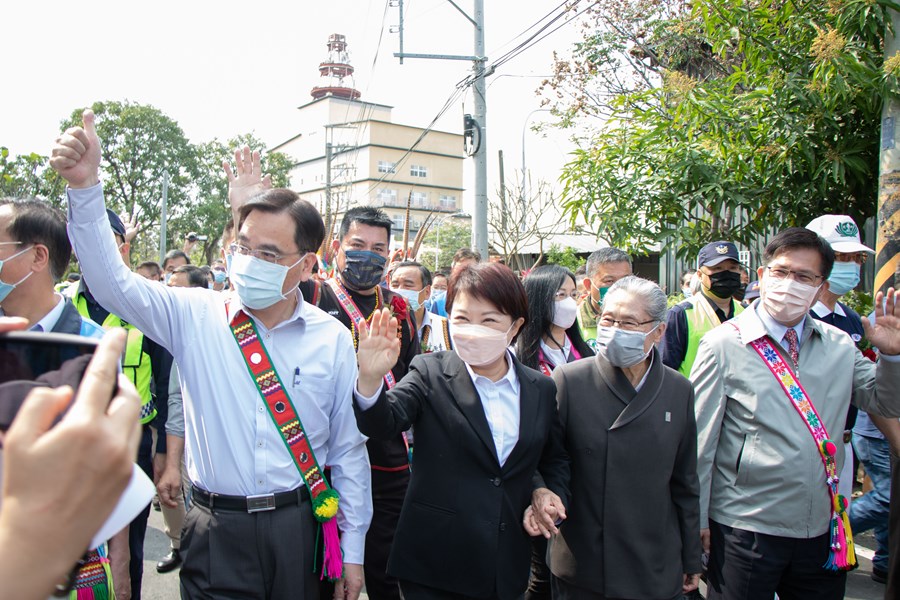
(94, 578)
(324, 498)
(547, 367)
(356, 318)
(842, 556)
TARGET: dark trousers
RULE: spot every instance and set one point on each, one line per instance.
(137, 530)
(744, 565)
(415, 591)
(260, 556)
(539, 581)
(563, 590)
(892, 590)
(388, 491)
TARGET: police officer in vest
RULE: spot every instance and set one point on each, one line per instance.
(719, 270)
(148, 365)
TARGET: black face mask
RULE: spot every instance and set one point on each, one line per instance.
(725, 284)
(739, 295)
(363, 270)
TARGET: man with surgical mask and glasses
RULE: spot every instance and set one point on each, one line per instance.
(772, 391)
(355, 294)
(266, 381)
(412, 281)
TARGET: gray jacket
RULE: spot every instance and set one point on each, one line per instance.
(758, 464)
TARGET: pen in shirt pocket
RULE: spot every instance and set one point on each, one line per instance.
(296, 376)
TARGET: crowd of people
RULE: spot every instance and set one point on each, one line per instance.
(470, 434)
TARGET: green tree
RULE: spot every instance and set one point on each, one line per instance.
(454, 234)
(207, 209)
(747, 117)
(138, 144)
(30, 175)
(564, 257)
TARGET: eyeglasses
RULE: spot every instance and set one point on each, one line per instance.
(857, 257)
(803, 277)
(561, 295)
(627, 324)
(266, 255)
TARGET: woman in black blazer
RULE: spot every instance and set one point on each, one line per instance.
(488, 444)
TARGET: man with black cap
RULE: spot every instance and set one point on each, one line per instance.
(719, 270)
(148, 365)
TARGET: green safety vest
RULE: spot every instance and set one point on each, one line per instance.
(135, 362)
(701, 318)
(587, 324)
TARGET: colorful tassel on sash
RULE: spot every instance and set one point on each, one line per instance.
(94, 579)
(333, 563)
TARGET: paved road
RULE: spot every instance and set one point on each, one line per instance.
(165, 587)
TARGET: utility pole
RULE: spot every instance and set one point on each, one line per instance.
(479, 61)
(162, 217)
(328, 148)
(887, 246)
(502, 194)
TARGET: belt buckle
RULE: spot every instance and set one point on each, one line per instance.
(260, 503)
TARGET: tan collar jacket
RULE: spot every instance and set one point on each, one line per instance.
(759, 468)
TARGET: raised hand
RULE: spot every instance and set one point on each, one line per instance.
(76, 154)
(249, 179)
(132, 227)
(378, 350)
(885, 335)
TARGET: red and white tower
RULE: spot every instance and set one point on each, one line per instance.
(335, 68)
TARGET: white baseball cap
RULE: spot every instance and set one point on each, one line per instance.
(840, 231)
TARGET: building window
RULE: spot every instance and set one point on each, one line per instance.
(448, 202)
(385, 166)
(418, 171)
(419, 200)
(387, 196)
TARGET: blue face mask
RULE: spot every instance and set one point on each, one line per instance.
(844, 277)
(6, 288)
(411, 297)
(258, 283)
(228, 259)
(219, 276)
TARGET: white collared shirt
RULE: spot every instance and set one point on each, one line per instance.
(554, 355)
(499, 399)
(233, 446)
(823, 311)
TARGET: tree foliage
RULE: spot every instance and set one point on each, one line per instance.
(444, 238)
(734, 118)
(522, 215)
(29, 176)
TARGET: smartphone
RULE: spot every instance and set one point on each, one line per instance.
(29, 360)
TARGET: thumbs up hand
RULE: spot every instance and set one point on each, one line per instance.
(76, 154)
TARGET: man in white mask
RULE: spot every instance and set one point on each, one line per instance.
(275, 406)
(772, 391)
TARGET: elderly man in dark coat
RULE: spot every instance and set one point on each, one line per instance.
(633, 529)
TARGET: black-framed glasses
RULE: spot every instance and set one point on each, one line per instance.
(804, 277)
(626, 324)
(266, 255)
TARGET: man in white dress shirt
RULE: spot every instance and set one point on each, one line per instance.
(251, 532)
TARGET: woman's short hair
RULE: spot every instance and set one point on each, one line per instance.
(491, 282)
(652, 296)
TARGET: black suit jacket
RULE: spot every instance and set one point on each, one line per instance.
(461, 525)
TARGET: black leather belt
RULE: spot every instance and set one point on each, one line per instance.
(250, 504)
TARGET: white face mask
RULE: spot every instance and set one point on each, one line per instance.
(787, 300)
(622, 348)
(411, 297)
(478, 345)
(564, 312)
(258, 283)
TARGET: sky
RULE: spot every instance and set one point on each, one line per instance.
(224, 68)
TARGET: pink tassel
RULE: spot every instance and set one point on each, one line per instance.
(333, 563)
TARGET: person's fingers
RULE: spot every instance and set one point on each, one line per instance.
(37, 413)
(879, 304)
(87, 118)
(267, 182)
(67, 153)
(99, 381)
(12, 324)
(891, 308)
(561, 511)
(229, 173)
(256, 162)
(247, 160)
